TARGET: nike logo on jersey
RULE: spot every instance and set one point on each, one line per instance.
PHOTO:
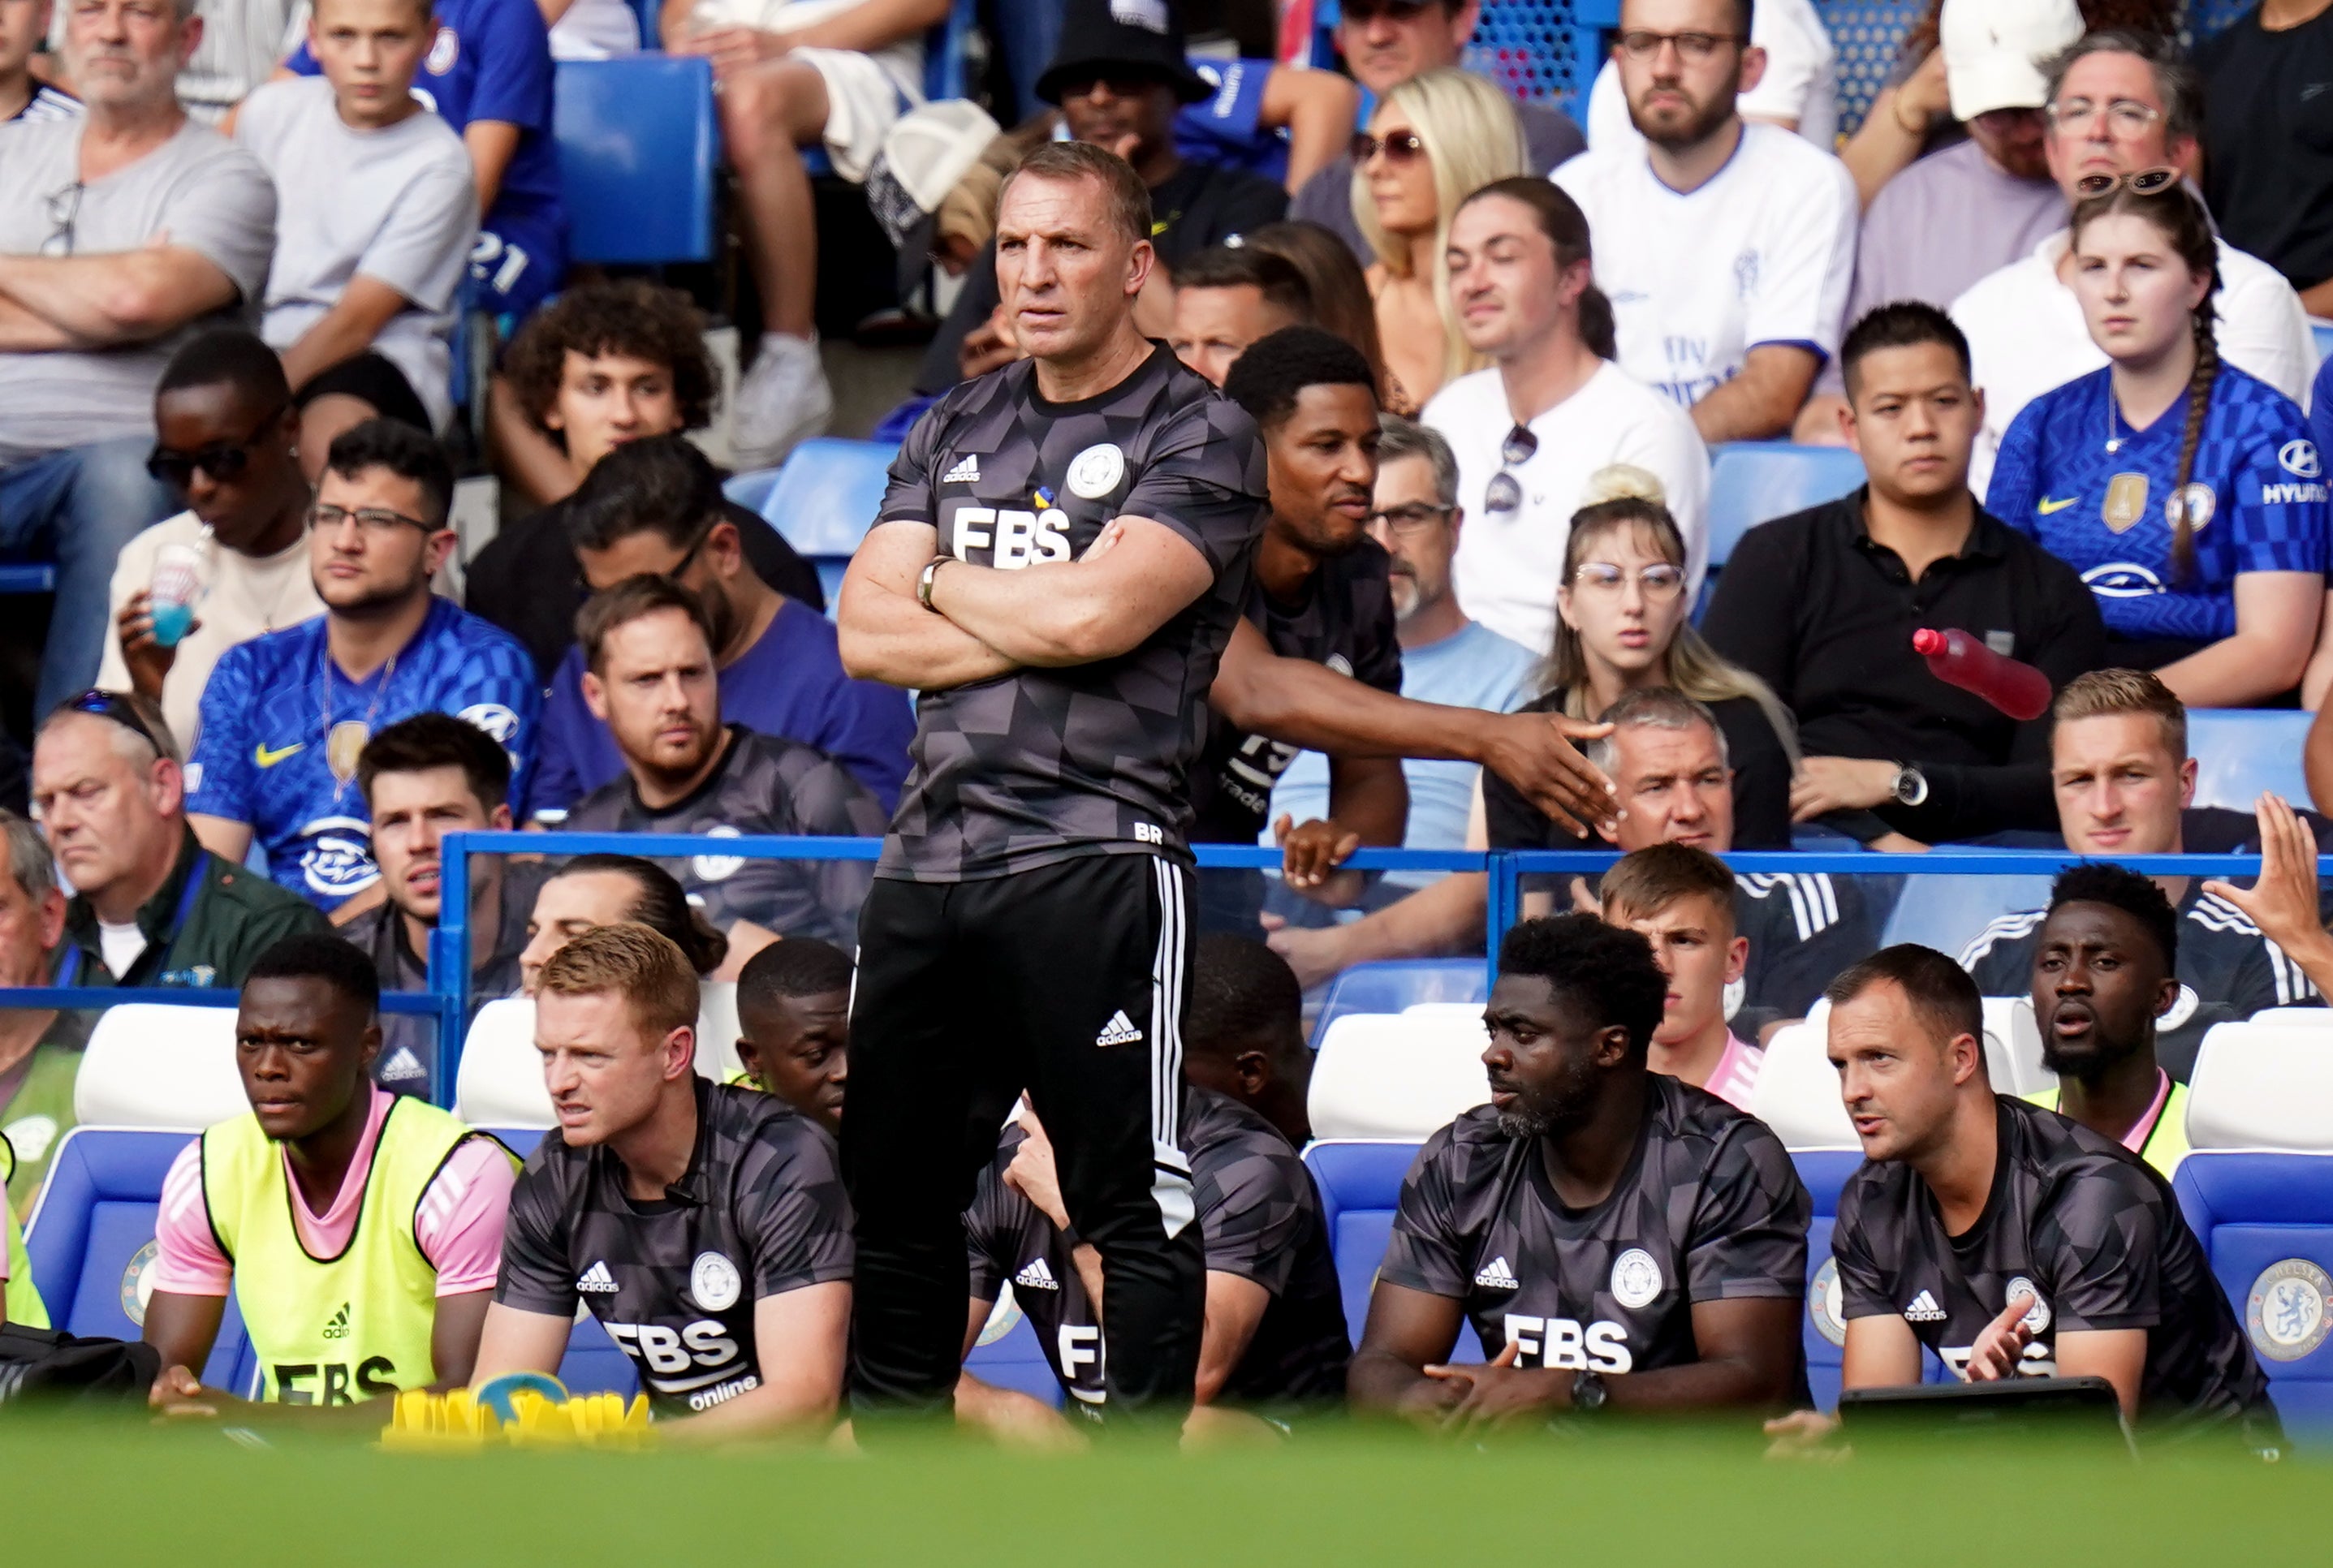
(268, 758)
(597, 1280)
(1924, 1309)
(965, 472)
(1496, 1276)
(1036, 1277)
(2049, 508)
(1119, 1031)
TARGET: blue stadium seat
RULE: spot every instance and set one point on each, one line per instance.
(2240, 751)
(1360, 1185)
(1948, 913)
(28, 580)
(1392, 985)
(825, 500)
(1755, 481)
(2266, 1221)
(592, 1363)
(1824, 1171)
(1017, 1361)
(637, 158)
(91, 1238)
(2322, 332)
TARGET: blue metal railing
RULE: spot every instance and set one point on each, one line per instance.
(447, 999)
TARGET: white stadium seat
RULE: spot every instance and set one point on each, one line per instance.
(154, 1065)
(2262, 1087)
(500, 1084)
(1470, 1011)
(1798, 1091)
(2012, 1047)
(1396, 1076)
(2313, 1018)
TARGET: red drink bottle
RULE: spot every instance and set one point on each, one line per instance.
(2017, 689)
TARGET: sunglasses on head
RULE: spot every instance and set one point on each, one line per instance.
(2140, 182)
(1400, 146)
(221, 460)
(113, 705)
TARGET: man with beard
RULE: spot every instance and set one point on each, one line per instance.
(1726, 248)
(1620, 1239)
(2104, 972)
(654, 505)
(1320, 593)
(648, 646)
(286, 717)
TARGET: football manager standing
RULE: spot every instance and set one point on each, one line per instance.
(1058, 565)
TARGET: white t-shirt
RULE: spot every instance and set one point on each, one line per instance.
(1508, 564)
(1801, 83)
(242, 597)
(399, 204)
(1762, 253)
(120, 944)
(903, 62)
(2027, 336)
(596, 30)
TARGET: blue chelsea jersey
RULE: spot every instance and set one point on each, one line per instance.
(2257, 500)
(283, 725)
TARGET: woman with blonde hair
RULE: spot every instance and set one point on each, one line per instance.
(1434, 140)
(1623, 621)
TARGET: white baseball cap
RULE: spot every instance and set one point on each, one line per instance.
(1993, 51)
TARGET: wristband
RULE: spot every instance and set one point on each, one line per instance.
(924, 583)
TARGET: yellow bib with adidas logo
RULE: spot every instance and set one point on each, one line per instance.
(2166, 1143)
(332, 1330)
(24, 1307)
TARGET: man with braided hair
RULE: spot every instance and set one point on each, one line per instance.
(2186, 492)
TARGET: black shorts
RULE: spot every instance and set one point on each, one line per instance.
(370, 378)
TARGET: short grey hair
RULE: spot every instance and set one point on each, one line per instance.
(1398, 437)
(1652, 708)
(2177, 82)
(31, 865)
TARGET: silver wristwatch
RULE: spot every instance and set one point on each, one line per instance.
(1910, 787)
(924, 581)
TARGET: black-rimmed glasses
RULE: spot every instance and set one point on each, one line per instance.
(1417, 516)
(374, 519)
(1640, 43)
(1505, 493)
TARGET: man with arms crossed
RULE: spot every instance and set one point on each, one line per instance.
(2009, 1241)
(1619, 1239)
(358, 1229)
(704, 1225)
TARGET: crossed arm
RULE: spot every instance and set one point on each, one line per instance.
(1748, 1354)
(800, 1335)
(69, 302)
(183, 1328)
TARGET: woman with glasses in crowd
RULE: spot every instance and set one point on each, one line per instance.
(2186, 493)
(1436, 139)
(1622, 622)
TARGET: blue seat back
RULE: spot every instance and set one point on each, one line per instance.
(2241, 751)
(1948, 913)
(637, 158)
(2321, 333)
(1391, 985)
(1360, 1186)
(1016, 1361)
(92, 1237)
(2266, 1222)
(825, 500)
(28, 580)
(1755, 481)
(1824, 1171)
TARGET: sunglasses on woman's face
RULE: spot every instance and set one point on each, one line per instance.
(1399, 147)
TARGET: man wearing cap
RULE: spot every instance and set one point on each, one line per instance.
(1977, 206)
(2121, 102)
(1384, 43)
(840, 80)
(1119, 76)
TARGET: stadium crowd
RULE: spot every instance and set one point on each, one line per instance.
(1390, 525)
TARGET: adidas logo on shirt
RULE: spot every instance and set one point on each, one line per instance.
(1924, 1309)
(402, 1066)
(1119, 1031)
(1496, 1276)
(1036, 1277)
(965, 472)
(339, 1327)
(597, 1280)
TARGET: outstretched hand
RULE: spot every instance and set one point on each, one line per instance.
(1537, 753)
(2283, 902)
(2001, 1346)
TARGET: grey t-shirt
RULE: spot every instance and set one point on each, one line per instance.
(399, 204)
(208, 195)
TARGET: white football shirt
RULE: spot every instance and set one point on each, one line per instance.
(1508, 564)
(1762, 253)
(2027, 336)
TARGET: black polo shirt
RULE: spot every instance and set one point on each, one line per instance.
(1825, 616)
